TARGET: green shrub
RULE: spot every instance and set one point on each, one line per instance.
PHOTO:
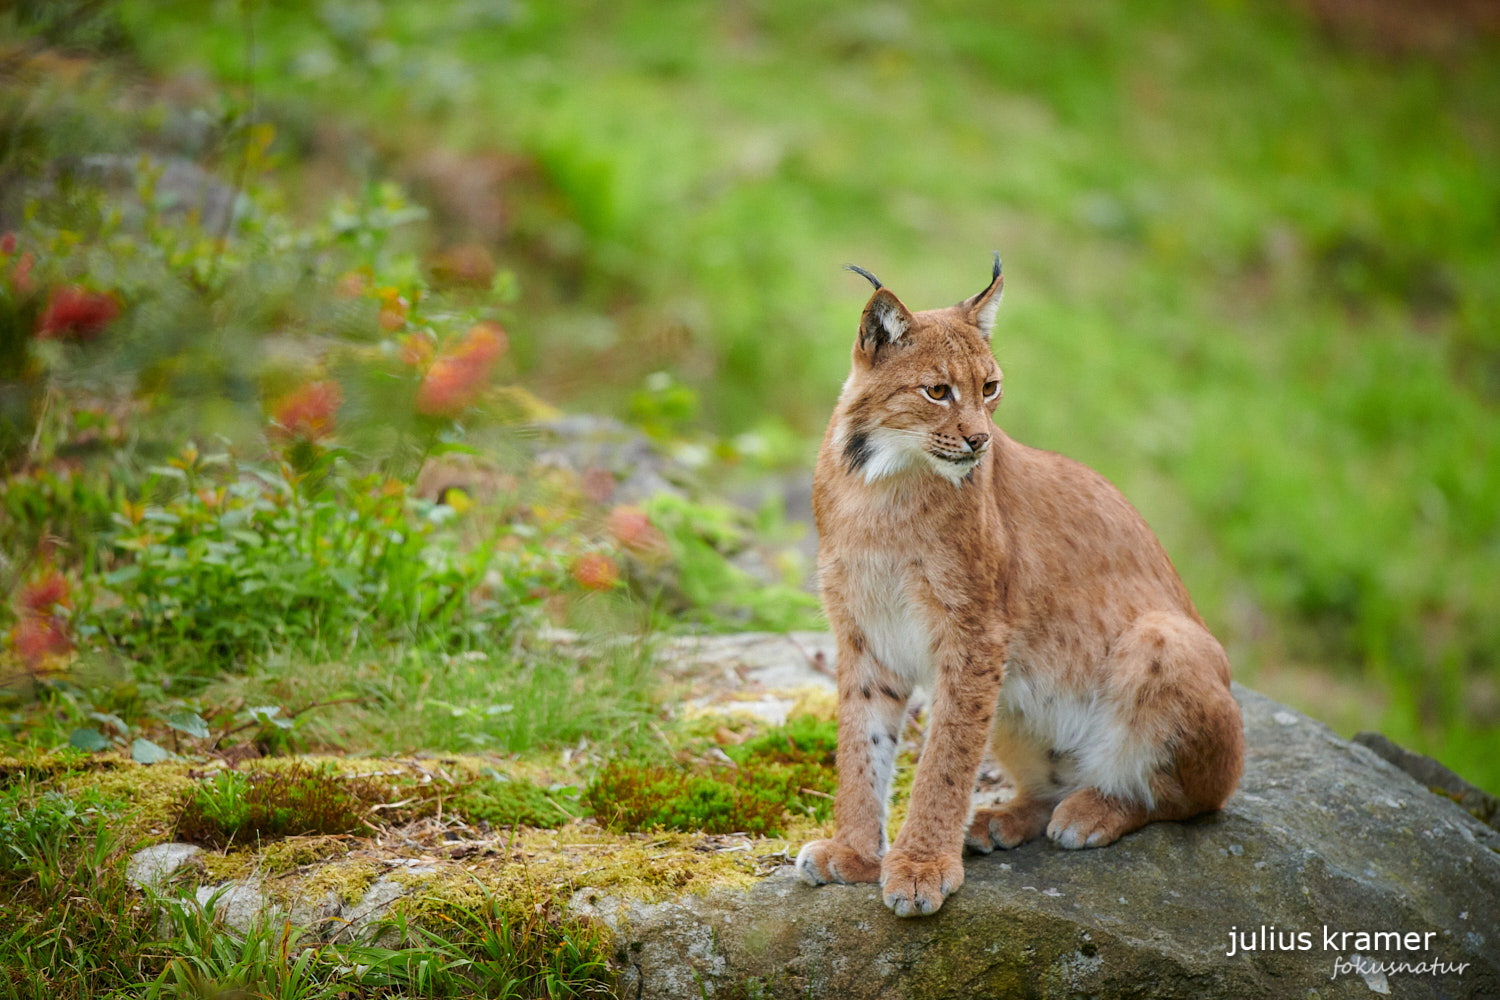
(702, 537)
(244, 561)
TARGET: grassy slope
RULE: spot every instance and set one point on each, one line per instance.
(1251, 274)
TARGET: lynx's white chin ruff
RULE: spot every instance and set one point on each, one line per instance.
(894, 451)
(1025, 593)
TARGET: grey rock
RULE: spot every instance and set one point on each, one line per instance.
(152, 867)
(322, 916)
(1433, 775)
(768, 659)
(240, 906)
(375, 906)
(580, 442)
(1322, 833)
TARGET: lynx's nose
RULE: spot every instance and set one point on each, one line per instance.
(977, 441)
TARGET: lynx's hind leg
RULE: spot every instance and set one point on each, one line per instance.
(1037, 774)
(1171, 743)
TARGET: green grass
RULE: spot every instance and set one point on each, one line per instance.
(1250, 269)
(488, 699)
(75, 930)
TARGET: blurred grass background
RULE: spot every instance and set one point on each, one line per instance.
(1251, 252)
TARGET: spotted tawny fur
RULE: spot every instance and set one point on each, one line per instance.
(1025, 594)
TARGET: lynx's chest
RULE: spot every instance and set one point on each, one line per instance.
(883, 592)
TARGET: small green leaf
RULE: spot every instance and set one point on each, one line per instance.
(189, 722)
(143, 751)
(270, 715)
(109, 719)
(88, 739)
(122, 575)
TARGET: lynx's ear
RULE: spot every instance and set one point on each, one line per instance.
(885, 320)
(981, 308)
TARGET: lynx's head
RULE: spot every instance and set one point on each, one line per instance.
(923, 387)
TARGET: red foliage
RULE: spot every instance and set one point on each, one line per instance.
(595, 571)
(40, 595)
(306, 414)
(456, 378)
(8, 244)
(393, 309)
(74, 312)
(37, 639)
(42, 632)
(633, 530)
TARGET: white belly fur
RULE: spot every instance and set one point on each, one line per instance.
(1105, 753)
(898, 635)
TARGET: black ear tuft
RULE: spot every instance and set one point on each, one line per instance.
(864, 274)
(981, 308)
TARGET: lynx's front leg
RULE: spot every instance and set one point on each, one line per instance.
(872, 708)
(926, 863)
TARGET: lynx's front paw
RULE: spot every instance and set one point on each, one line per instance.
(824, 861)
(916, 885)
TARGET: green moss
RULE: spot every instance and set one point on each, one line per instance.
(278, 857)
(40, 765)
(505, 801)
(349, 881)
(295, 852)
(665, 866)
(804, 739)
(154, 793)
(756, 798)
(779, 777)
(301, 799)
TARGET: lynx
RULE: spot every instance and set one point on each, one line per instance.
(1025, 593)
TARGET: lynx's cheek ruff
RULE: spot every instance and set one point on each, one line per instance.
(1025, 593)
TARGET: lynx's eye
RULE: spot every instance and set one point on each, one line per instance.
(991, 387)
(936, 393)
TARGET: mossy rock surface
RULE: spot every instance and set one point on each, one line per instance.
(1321, 832)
